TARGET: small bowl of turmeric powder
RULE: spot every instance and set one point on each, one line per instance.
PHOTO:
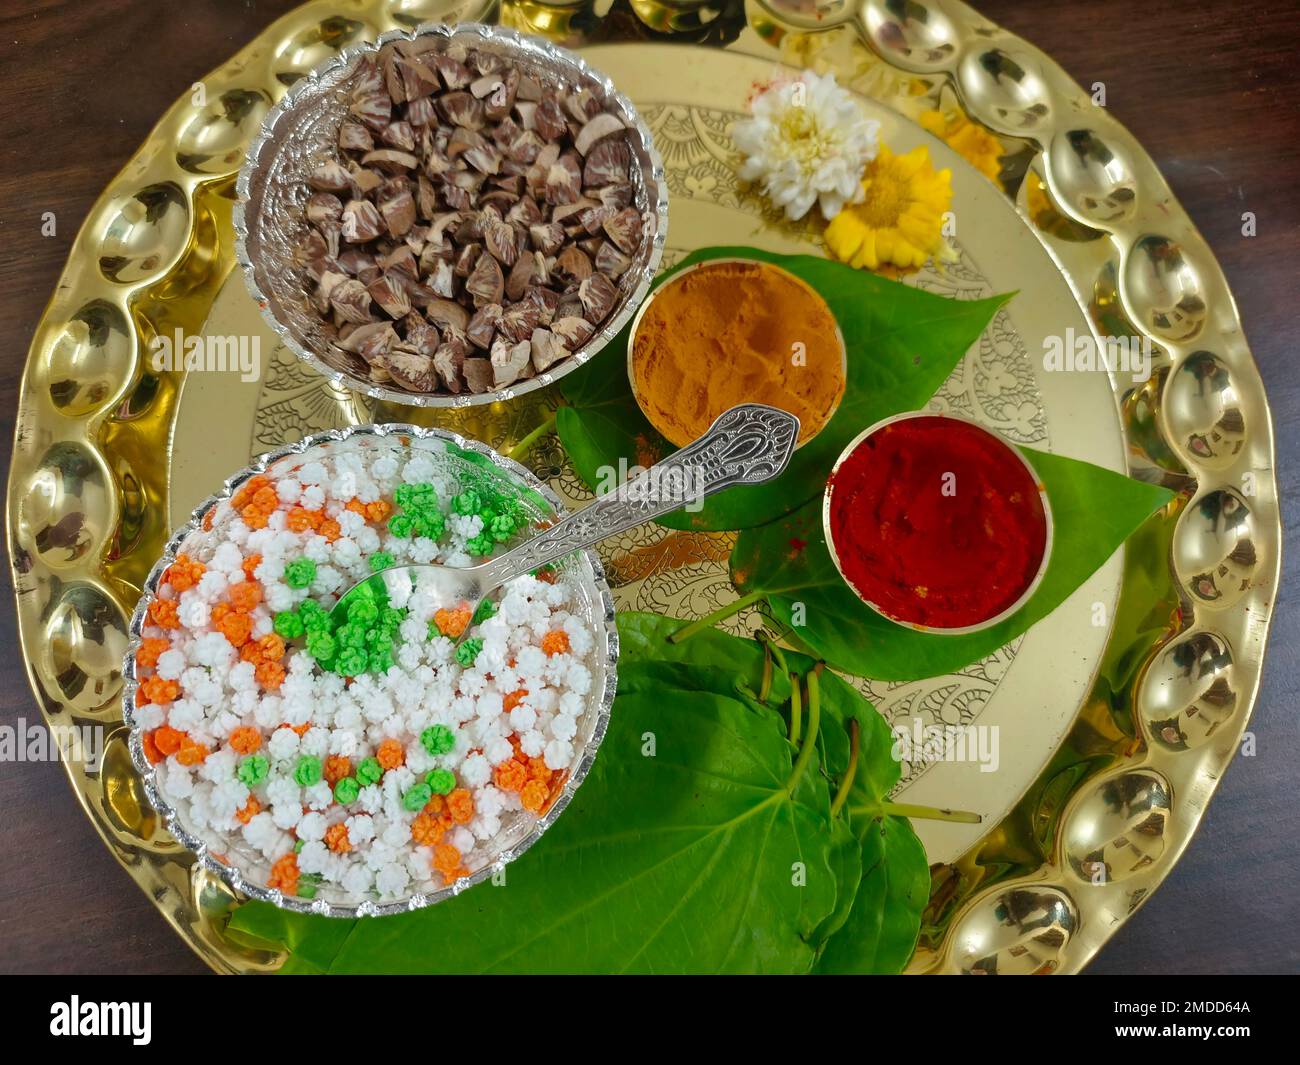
(730, 331)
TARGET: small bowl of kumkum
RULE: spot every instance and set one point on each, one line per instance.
(937, 523)
(734, 330)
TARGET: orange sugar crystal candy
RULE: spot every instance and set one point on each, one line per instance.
(249, 810)
(253, 517)
(272, 645)
(299, 520)
(249, 489)
(378, 511)
(269, 675)
(556, 642)
(513, 699)
(460, 804)
(151, 752)
(266, 499)
(192, 753)
(162, 612)
(435, 805)
(184, 573)
(539, 770)
(356, 506)
(284, 874)
(534, 796)
(446, 858)
(245, 595)
(245, 740)
(249, 566)
(510, 775)
(390, 754)
(336, 838)
(236, 627)
(158, 690)
(426, 830)
(168, 740)
(149, 651)
(337, 766)
(329, 528)
(451, 623)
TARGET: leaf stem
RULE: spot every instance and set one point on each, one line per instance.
(765, 638)
(522, 445)
(710, 620)
(841, 796)
(810, 741)
(765, 687)
(796, 709)
(919, 813)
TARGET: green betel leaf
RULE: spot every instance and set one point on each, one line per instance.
(1094, 511)
(690, 855)
(882, 868)
(902, 344)
(875, 938)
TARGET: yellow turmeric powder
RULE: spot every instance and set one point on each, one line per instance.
(731, 332)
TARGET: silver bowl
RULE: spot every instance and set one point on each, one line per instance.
(246, 870)
(300, 131)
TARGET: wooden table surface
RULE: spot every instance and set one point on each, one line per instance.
(1209, 89)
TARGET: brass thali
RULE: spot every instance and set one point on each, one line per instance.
(1119, 731)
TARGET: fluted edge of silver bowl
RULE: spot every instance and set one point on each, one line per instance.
(606, 650)
(650, 185)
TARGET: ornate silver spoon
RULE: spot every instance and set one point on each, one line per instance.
(748, 444)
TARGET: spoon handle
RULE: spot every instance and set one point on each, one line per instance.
(748, 444)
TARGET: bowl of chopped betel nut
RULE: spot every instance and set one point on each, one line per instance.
(450, 216)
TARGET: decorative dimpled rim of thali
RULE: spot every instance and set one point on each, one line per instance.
(273, 157)
(143, 237)
(606, 651)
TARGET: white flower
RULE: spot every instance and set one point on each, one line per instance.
(808, 142)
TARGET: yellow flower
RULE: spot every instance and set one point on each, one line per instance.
(899, 221)
(977, 145)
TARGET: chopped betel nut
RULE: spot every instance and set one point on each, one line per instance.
(473, 210)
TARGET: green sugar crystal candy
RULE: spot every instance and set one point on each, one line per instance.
(467, 502)
(300, 573)
(440, 781)
(479, 545)
(468, 651)
(350, 634)
(369, 771)
(252, 770)
(438, 739)
(289, 625)
(307, 771)
(362, 611)
(351, 662)
(418, 797)
(347, 790)
(401, 525)
(431, 524)
(321, 646)
(381, 560)
(502, 527)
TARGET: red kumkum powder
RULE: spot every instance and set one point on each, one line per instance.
(937, 522)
